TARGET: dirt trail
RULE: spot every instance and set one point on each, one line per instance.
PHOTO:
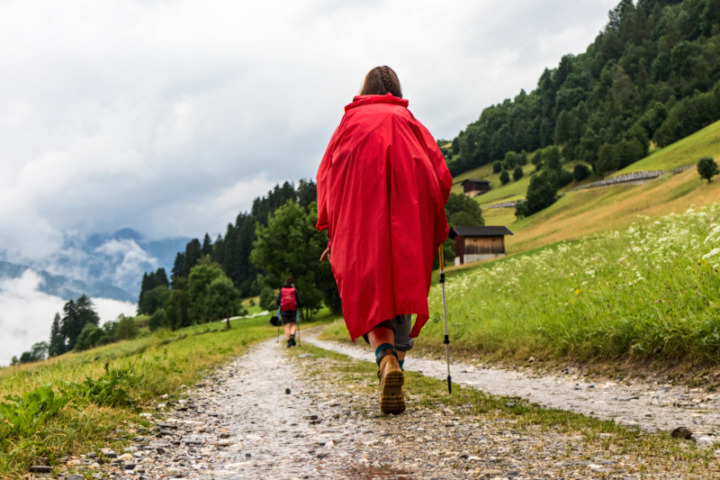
(272, 415)
(650, 406)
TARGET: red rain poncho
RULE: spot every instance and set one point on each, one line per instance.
(382, 188)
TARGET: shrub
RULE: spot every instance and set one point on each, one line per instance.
(562, 178)
(158, 320)
(541, 193)
(518, 173)
(497, 166)
(537, 159)
(580, 172)
(512, 160)
(268, 300)
(89, 337)
(504, 177)
(523, 158)
(126, 328)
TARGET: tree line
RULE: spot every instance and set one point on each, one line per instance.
(650, 76)
(283, 242)
(78, 329)
(276, 239)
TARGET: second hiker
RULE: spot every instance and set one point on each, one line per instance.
(289, 301)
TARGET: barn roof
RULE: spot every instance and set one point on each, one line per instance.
(474, 181)
(492, 231)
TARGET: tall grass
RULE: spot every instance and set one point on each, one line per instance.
(650, 292)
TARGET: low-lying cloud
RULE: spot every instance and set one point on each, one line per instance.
(26, 314)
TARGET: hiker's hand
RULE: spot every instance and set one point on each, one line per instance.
(327, 250)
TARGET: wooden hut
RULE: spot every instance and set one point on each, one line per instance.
(479, 243)
(472, 187)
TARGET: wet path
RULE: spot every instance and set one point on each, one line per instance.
(270, 415)
(650, 406)
(272, 423)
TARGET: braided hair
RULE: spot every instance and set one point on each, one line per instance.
(380, 81)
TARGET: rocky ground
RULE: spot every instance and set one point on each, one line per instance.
(651, 405)
(280, 415)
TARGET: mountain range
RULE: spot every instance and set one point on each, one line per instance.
(103, 265)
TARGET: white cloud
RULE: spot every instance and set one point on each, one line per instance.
(26, 314)
(121, 113)
(171, 116)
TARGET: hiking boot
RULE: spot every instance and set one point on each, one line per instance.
(289, 343)
(292, 340)
(391, 382)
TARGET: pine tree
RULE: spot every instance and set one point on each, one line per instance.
(57, 341)
(206, 248)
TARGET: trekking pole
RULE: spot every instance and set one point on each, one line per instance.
(277, 340)
(297, 318)
(446, 340)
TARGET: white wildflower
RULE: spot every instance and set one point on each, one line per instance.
(711, 253)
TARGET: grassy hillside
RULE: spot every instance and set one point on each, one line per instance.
(647, 292)
(625, 271)
(704, 143)
(590, 211)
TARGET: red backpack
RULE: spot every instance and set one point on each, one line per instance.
(288, 302)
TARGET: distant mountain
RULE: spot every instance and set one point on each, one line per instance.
(109, 265)
(64, 287)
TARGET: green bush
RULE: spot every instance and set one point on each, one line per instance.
(497, 166)
(158, 320)
(126, 328)
(89, 337)
(504, 177)
(580, 172)
(518, 173)
(268, 299)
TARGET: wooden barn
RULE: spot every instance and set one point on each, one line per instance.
(472, 187)
(479, 243)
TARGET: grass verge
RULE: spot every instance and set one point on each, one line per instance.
(632, 450)
(76, 403)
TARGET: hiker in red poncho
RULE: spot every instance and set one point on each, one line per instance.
(382, 187)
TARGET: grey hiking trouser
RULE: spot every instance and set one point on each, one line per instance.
(401, 325)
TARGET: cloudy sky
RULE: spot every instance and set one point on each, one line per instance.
(171, 116)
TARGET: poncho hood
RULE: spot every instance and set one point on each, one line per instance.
(388, 98)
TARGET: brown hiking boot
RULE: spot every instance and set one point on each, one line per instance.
(391, 382)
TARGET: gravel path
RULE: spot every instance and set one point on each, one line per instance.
(270, 415)
(650, 406)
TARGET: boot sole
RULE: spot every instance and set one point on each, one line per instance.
(391, 400)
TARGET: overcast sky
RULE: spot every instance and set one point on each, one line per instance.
(171, 116)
